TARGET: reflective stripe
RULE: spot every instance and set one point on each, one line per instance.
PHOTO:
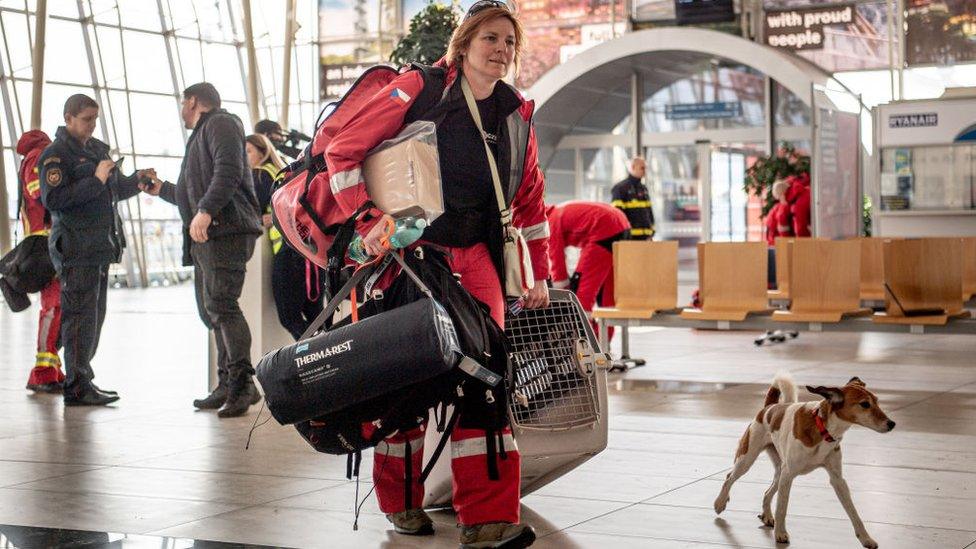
(270, 169)
(478, 447)
(537, 231)
(629, 204)
(399, 449)
(642, 232)
(45, 232)
(344, 180)
(33, 186)
(274, 235)
(47, 360)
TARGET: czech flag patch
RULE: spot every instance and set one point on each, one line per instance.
(400, 95)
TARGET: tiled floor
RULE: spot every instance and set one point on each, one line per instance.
(152, 465)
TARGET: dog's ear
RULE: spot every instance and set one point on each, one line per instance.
(856, 381)
(833, 395)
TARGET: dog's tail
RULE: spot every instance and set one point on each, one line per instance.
(783, 389)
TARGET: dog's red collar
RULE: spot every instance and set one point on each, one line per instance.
(821, 426)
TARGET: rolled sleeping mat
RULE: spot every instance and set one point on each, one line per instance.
(357, 362)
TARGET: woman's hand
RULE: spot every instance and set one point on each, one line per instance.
(538, 296)
(373, 241)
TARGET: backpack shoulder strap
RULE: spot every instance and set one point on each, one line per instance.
(430, 96)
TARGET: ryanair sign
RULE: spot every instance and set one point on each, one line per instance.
(923, 120)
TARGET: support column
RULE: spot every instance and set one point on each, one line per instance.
(5, 221)
(168, 38)
(252, 65)
(769, 108)
(636, 116)
(37, 81)
(286, 64)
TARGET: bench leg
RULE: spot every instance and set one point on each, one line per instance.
(625, 363)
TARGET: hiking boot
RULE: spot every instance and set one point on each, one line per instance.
(412, 522)
(497, 534)
(214, 400)
(240, 396)
(53, 388)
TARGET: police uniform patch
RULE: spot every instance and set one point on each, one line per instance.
(53, 177)
(51, 159)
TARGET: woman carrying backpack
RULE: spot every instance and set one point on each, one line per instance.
(483, 50)
(294, 281)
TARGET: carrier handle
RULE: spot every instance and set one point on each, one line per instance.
(347, 288)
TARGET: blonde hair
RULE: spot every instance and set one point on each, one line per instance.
(465, 34)
(267, 150)
(779, 188)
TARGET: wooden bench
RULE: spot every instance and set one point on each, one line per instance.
(783, 248)
(645, 279)
(825, 281)
(922, 273)
(732, 276)
(872, 268)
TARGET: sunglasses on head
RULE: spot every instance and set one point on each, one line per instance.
(482, 5)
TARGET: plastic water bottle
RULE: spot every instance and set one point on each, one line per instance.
(406, 231)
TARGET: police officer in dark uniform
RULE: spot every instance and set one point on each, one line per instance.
(81, 188)
(631, 196)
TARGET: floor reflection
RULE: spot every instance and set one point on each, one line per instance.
(30, 537)
(667, 386)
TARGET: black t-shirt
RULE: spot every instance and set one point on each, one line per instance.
(470, 206)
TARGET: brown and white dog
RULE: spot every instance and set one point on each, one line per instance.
(800, 437)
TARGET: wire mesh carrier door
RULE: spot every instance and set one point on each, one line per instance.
(559, 398)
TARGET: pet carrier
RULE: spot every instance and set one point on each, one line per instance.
(559, 397)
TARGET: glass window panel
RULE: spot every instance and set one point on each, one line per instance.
(19, 44)
(790, 109)
(19, 4)
(157, 128)
(146, 62)
(717, 83)
(10, 174)
(561, 177)
(109, 48)
(65, 8)
(103, 11)
(140, 15)
(188, 57)
(672, 175)
(65, 58)
(223, 70)
(117, 118)
(601, 169)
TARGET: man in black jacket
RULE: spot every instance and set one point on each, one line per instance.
(81, 187)
(216, 198)
(631, 196)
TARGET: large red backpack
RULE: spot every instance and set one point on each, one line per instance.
(303, 207)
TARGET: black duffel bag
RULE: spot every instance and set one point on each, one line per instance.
(28, 267)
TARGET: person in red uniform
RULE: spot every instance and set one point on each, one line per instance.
(47, 375)
(798, 196)
(482, 51)
(592, 227)
(778, 219)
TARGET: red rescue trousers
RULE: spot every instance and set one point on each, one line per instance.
(476, 498)
(47, 366)
(595, 267)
